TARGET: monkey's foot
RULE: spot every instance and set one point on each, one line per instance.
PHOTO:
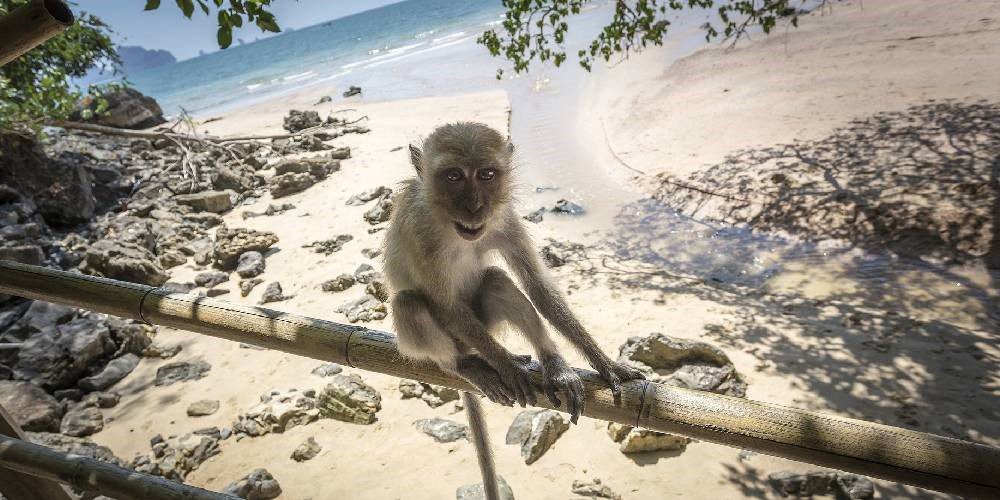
(478, 373)
(614, 373)
(557, 376)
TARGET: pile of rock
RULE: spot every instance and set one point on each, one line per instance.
(839, 484)
(277, 412)
(371, 305)
(175, 457)
(433, 395)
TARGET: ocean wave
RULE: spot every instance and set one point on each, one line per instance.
(389, 54)
(298, 76)
(448, 37)
(425, 34)
(432, 48)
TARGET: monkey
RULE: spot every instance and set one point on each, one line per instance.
(449, 225)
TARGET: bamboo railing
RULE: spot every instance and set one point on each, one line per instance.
(925, 460)
(30, 25)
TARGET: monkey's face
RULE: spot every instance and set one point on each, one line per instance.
(470, 193)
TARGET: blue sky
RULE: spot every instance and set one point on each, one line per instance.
(166, 28)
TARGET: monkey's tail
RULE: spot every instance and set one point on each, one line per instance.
(482, 441)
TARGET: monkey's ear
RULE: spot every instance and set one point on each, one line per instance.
(416, 158)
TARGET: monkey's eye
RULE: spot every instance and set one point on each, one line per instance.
(453, 175)
(486, 174)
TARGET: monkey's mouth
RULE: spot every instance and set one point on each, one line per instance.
(469, 232)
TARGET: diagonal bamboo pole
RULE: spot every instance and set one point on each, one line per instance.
(917, 458)
(30, 25)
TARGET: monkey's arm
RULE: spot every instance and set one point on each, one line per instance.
(550, 302)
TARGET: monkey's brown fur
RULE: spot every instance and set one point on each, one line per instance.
(449, 223)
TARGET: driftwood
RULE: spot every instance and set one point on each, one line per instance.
(917, 458)
(30, 25)
(175, 136)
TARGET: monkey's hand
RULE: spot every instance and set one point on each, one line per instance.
(517, 378)
(614, 373)
(557, 376)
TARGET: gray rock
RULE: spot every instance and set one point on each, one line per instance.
(324, 99)
(231, 243)
(840, 485)
(215, 292)
(341, 153)
(57, 356)
(553, 257)
(366, 196)
(130, 336)
(364, 308)
(634, 440)
(319, 168)
(258, 485)
(326, 247)
(307, 450)
(58, 189)
(433, 395)
(349, 399)
(114, 371)
(278, 412)
(520, 428)
(683, 363)
(568, 207)
(203, 408)
(171, 258)
(208, 279)
(270, 210)
(161, 350)
(82, 420)
(30, 406)
(297, 121)
(125, 108)
(39, 315)
(25, 254)
(74, 445)
(250, 264)
(181, 371)
(287, 184)
(546, 427)
(338, 284)
(124, 261)
(594, 489)
(327, 369)
(236, 178)
(536, 216)
(246, 286)
(371, 253)
(477, 492)
(102, 399)
(273, 293)
(208, 201)
(73, 394)
(175, 457)
(365, 273)
(381, 212)
(352, 91)
(442, 430)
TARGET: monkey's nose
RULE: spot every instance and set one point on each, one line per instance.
(474, 207)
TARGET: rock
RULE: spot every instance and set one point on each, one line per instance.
(381, 212)
(175, 457)
(114, 371)
(433, 395)
(273, 293)
(258, 485)
(319, 168)
(840, 485)
(244, 345)
(352, 91)
(278, 412)
(371, 253)
(82, 420)
(326, 247)
(30, 406)
(683, 363)
(25, 254)
(633, 440)
(477, 492)
(250, 264)
(365, 273)
(171, 259)
(181, 371)
(58, 189)
(126, 108)
(209, 279)
(159, 350)
(537, 432)
(307, 450)
(327, 369)
(38, 315)
(594, 489)
(124, 261)
(323, 99)
(553, 257)
(246, 286)
(286, 184)
(297, 121)
(231, 243)
(341, 153)
(57, 356)
(567, 207)
(238, 179)
(270, 210)
(349, 399)
(74, 445)
(15, 312)
(365, 308)
(442, 430)
(102, 399)
(378, 289)
(130, 336)
(215, 292)
(366, 196)
(536, 216)
(208, 201)
(338, 284)
(203, 408)
(73, 394)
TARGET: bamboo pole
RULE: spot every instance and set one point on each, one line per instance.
(93, 475)
(17, 486)
(30, 25)
(895, 454)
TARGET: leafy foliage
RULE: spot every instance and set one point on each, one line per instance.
(229, 17)
(536, 29)
(35, 86)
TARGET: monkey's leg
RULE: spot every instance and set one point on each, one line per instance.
(500, 300)
(420, 337)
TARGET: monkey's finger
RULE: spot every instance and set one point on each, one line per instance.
(529, 392)
(550, 391)
(577, 396)
(572, 405)
(615, 384)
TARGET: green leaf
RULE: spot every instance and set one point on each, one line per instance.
(204, 6)
(152, 4)
(223, 19)
(225, 36)
(187, 7)
(236, 20)
(266, 22)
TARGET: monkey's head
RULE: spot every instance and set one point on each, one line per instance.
(464, 169)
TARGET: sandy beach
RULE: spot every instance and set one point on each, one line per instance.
(912, 350)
